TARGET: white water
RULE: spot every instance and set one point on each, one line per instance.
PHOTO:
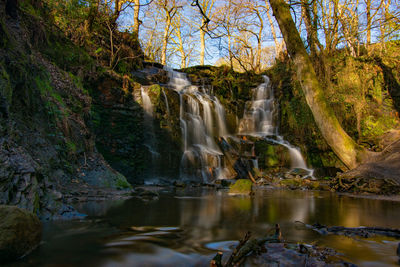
(166, 102)
(148, 123)
(258, 120)
(201, 118)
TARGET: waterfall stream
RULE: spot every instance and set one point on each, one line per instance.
(201, 118)
(208, 153)
(258, 120)
(148, 123)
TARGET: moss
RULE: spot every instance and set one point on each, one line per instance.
(155, 89)
(71, 147)
(4, 37)
(5, 84)
(36, 203)
(293, 182)
(122, 183)
(241, 187)
(44, 85)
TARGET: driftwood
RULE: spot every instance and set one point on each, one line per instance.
(353, 231)
(245, 247)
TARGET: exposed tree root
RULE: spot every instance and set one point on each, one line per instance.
(365, 185)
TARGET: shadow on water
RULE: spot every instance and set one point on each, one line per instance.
(187, 227)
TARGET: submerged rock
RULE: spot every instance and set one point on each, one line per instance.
(149, 195)
(241, 187)
(299, 171)
(20, 232)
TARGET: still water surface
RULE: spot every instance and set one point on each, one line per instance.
(186, 227)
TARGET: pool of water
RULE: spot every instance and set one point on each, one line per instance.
(186, 227)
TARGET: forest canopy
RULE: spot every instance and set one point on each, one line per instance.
(241, 34)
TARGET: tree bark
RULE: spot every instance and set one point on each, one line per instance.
(202, 42)
(136, 20)
(369, 20)
(342, 144)
(165, 41)
(168, 21)
(271, 23)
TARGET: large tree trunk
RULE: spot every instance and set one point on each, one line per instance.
(369, 20)
(342, 144)
(202, 42)
(271, 23)
(136, 20)
(165, 41)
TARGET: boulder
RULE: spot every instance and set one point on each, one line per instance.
(241, 187)
(20, 232)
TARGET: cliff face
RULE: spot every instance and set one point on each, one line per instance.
(45, 143)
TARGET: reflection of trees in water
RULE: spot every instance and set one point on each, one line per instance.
(216, 216)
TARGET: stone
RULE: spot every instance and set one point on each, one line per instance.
(241, 187)
(299, 172)
(226, 182)
(20, 232)
(147, 194)
(179, 184)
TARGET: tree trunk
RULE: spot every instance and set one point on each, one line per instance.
(165, 40)
(202, 42)
(181, 49)
(343, 145)
(369, 20)
(271, 23)
(136, 21)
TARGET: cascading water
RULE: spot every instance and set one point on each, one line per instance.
(258, 120)
(202, 117)
(148, 123)
(166, 102)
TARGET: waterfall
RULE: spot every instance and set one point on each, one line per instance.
(202, 118)
(220, 112)
(207, 155)
(148, 123)
(166, 102)
(258, 120)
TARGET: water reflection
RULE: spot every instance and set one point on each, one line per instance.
(186, 227)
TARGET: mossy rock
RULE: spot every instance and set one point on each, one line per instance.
(20, 232)
(241, 187)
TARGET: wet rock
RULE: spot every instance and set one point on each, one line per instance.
(241, 187)
(19, 179)
(20, 232)
(398, 250)
(99, 173)
(179, 184)
(299, 172)
(282, 254)
(149, 195)
(226, 183)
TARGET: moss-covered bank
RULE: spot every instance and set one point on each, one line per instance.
(363, 92)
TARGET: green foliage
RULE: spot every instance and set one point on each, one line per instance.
(373, 126)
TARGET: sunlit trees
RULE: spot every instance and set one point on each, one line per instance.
(343, 146)
(173, 31)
